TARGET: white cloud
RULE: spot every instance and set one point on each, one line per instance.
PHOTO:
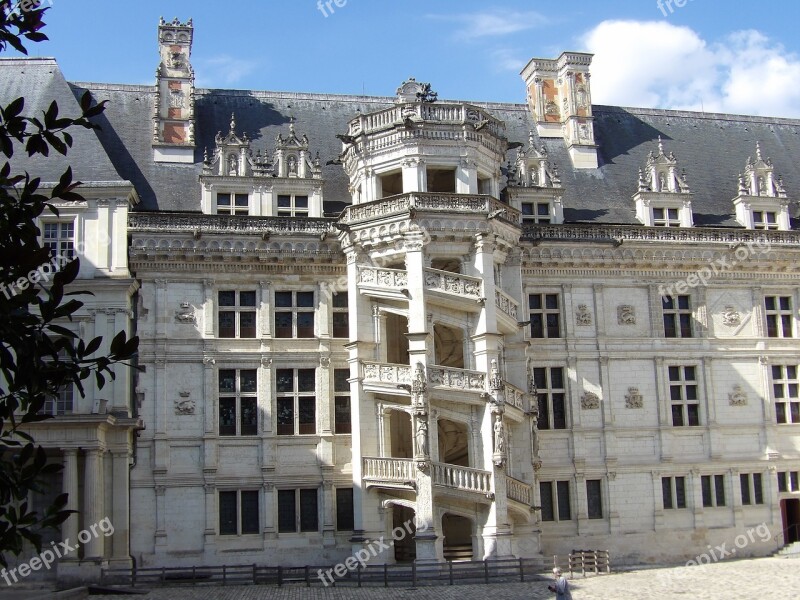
(657, 64)
(492, 23)
(507, 60)
(223, 70)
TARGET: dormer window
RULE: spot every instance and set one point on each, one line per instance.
(292, 205)
(534, 187)
(536, 212)
(233, 204)
(663, 198)
(761, 202)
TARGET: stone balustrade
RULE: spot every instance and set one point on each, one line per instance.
(514, 396)
(457, 379)
(375, 372)
(462, 478)
(389, 470)
(506, 304)
(453, 283)
(519, 490)
(385, 278)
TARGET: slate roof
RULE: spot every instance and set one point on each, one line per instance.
(713, 148)
(40, 81)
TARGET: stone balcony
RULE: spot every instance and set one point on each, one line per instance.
(458, 380)
(389, 472)
(454, 290)
(507, 311)
(519, 491)
(408, 204)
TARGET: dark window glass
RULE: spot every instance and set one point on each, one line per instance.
(557, 378)
(287, 515)
(308, 510)
(680, 492)
(758, 489)
(564, 511)
(301, 201)
(283, 324)
(284, 380)
(307, 412)
(227, 381)
(227, 513)
(305, 299)
(227, 324)
(340, 377)
(744, 481)
(594, 498)
(544, 413)
(782, 482)
(249, 416)
(248, 380)
(344, 509)
(705, 483)
(227, 416)
(340, 300)
(305, 324)
(247, 325)
(666, 491)
(305, 380)
(719, 485)
(250, 512)
(546, 492)
(285, 416)
(247, 298)
(227, 298)
(283, 299)
(559, 412)
(341, 325)
(342, 414)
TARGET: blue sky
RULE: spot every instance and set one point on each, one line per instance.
(723, 55)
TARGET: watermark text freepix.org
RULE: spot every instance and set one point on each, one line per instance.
(47, 557)
(666, 5)
(326, 6)
(14, 6)
(41, 273)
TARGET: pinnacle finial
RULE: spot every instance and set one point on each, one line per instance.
(660, 146)
(233, 122)
(758, 150)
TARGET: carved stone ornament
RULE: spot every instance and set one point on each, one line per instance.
(737, 397)
(626, 314)
(495, 381)
(634, 399)
(184, 406)
(731, 317)
(590, 401)
(583, 317)
(186, 314)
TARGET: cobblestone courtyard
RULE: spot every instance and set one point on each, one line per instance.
(773, 578)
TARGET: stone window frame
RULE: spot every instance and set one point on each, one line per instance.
(687, 387)
(788, 383)
(240, 516)
(237, 395)
(299, 395)
(238, 309)
(669, 490)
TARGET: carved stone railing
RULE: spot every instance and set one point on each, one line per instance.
(375, 372)
(514, 396)
(453, 283)
(164, 222)
(506, 304)
(439, 113)
(462, 478)
(431, 202)
(457, 379)
(639, 233)
(389, 470)
(385, 278)
(519, 490)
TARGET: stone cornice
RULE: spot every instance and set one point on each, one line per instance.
(164, 222)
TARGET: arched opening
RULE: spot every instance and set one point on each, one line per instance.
(453, 443)
(405, 550)
(401, 445)
(457, 532)
(448, 346)
(396, 340)
(452, 265)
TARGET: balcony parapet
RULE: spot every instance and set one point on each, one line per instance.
(464, 479)
(394, 471)
(430, 202)
(385, 278)
(453, 283)
(514, 396)
(456, 379)
(388, 373)
(164, 222)
(519, 491)
(506, 304)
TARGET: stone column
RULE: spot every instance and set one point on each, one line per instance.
(69, 529)
(120, 541)
(93, 502)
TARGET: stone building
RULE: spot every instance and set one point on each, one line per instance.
(525, 327)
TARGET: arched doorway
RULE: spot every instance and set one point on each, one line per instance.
(457, 533)
(405, 549)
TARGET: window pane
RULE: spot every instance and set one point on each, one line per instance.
(340, 300)
(284, 201)
(666, 491)
(782, 482)
(227, 324)
(670, 330)
(559, 412)
(544, 413)
(305, 299)
(248, 381)
(551, 301)
(287, 515)
(305, 380)
(301, 201)
(674, 374)
(344, 509)
(340, 377)
(227, 513)
(241, 200)
(535, 301)
(249, 417)
(283, 299)
(594, 498)
(694, 414)
(284, 380)
(557, 378)
(250, 512)
(537, 326)
(308, 418)
(553, 329)
(342, 414)
(308, 510)
(285, 416)
(305, 324)
(283, 324)
(680, 492)
(744, 481)
(247, 298)
(719, 485)
(227, 416)
(227, 298)
(769, 302)
(780, 412)
(223, 199)
(785, 302)
(758, 490)
(564, 511)
(546, 492)
(540, 377)
(341, 325)
(247, 324)
(677, 415)
(705, 482)
(227, 381)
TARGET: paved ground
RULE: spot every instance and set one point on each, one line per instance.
(773, 578)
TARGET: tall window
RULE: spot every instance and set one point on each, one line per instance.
(237, 314)
(292, 206)
(238, 512)
(555, 501)
(536, 212)
(788, 481)
(60, 403)
(713, 488)
(297, 404)
(238, 404)
(594, 498)
(233, 204)
(59, 239)
(673, 490)
(545, 315)
(344, 509)
(677, 316)
(752, 488)
(341, 318)
(666, 217)
(763, 219)
(341, 388)
(297, 511)
(550, 395)
(785, 393)
(779, 316)
(683, 396)
(294, 314)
